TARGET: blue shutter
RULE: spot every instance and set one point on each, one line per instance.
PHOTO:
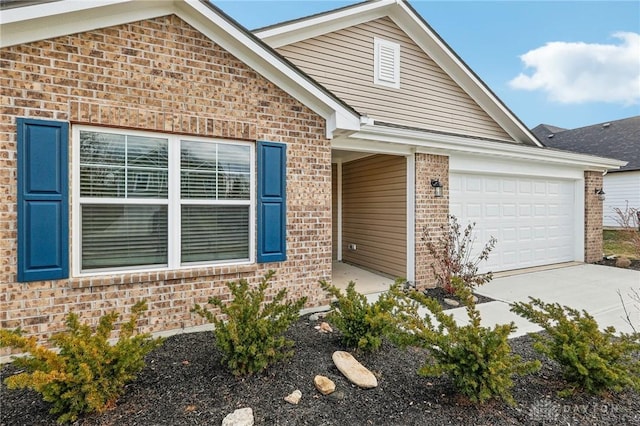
(43, 200)
(272, 202)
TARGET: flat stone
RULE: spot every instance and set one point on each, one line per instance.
(294, 397)
(353, 370)
(324, 385)
(318, 316)
(325, 327)
(240, 417)
(451, 302)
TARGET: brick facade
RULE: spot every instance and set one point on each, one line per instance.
(592, 217)
(431, 212)
(159, 75)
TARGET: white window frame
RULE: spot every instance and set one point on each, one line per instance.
(378, 78)
(173, 202)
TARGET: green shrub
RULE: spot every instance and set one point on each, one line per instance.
(88, 374)
(478, 359)
(252, 338)
(362, 324)
(593, 360)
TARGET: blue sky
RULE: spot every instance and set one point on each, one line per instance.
(569, 64)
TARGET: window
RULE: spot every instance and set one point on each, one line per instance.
(386, 63)
(161, 201)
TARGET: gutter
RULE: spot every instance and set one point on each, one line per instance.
(428, 142)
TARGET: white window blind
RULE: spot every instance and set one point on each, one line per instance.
(386, 63)
(130, 210)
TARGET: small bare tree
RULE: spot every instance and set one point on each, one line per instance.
(454, 256)
(629, 222)
(635, 297)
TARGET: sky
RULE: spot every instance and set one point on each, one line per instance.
(565, 63)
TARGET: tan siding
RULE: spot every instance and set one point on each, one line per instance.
(427, 97)
(374, 213)
(334, 211)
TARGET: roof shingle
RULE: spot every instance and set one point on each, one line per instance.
(618, 139)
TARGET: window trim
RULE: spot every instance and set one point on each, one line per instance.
(379, 43)
(173, 203)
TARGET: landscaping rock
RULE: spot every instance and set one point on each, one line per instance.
(294, 397)
(353, 370)
(324, 385)
(240, 417)
(324, 327)
(318, 316)
(451, 302)
(623, 262)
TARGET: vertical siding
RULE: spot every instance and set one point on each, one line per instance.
(334, 211)
(374, 213)
(620, 188)
(427, 98)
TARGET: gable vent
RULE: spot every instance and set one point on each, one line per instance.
(386, 63)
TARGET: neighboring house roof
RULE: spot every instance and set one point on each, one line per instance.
(28, 23)
(619, 139)
(408, 19)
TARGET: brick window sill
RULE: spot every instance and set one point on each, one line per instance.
(155, 276)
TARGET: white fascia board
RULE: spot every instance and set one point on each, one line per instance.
(303, 29)
(444, 144)
(460, 73)
(246, 49)
(43, 21)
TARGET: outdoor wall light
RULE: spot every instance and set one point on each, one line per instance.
(437, 187)
(599, 193)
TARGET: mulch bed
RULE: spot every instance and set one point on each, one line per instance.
(635, 264)
(185, 384)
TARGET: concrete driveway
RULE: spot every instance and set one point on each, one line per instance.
(590, 287)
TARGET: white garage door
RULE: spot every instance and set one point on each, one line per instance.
(532, 218)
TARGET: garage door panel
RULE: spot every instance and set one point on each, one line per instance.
(532, 218)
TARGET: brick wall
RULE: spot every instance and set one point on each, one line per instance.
(592, 217)
(158, 75)
(431, 212)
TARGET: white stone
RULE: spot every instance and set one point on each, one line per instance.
(294, 397)
(324, 385)
(451, 302)
(240, 417)
(353, 370)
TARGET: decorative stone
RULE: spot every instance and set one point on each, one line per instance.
(451, 302)
(324, 385)
(325, 328)
(240, 417)
(623, 262)
(318, 316)
(353, 370)
(294, 397)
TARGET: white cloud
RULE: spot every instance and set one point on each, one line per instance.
(583, 72)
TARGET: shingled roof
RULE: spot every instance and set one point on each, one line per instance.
(618, 139)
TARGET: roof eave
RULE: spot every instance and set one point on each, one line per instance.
(423, 141)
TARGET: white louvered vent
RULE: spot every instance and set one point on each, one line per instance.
(386, 63)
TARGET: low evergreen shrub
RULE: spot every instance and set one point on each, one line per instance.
(592, 360)
(361, 324)
(88, 374)
(478, 359)
(251, 338)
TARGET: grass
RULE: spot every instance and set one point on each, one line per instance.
(617, 243)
